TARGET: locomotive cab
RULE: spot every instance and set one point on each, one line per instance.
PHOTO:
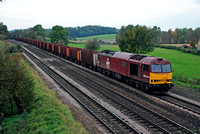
(160, 75)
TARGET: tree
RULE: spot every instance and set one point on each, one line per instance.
(169, 36)
(193, 42)
(177, 35)
(181, 39)
(59, 34)
(189, 34)
(136, 39)
(164, 37)
(92, 44)
(3, 31)
(39, 32)
(120, 38)
(197, 34)
(156, 33)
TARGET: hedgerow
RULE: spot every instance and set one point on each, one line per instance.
(185, 50)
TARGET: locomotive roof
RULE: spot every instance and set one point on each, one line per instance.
(140, 58)
(129, 56)
(135, 57)
(122, 55)
(154, 60)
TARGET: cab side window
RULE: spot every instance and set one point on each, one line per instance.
(145, 68)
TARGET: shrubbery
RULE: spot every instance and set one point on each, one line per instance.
(92, 44)
(16, 84)
(185, 50)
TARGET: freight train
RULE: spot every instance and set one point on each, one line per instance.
(144, 72)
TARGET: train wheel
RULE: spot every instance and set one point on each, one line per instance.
(130, 82)
(137, 85)
(145, 87)
(100, 70)
(104, 72)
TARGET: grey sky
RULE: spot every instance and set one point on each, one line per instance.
(21, 14)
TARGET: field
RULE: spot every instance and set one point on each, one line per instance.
(178, 45)
(102, 47)
(182, 63)
(99, 37)
(77, 45)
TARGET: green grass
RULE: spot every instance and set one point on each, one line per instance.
(99, 37)
(109, 47)
(76, 45)
(186, 67)
(48, 114)
(102, 47)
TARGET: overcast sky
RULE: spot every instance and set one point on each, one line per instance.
(21, 14)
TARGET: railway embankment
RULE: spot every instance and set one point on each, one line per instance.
(47, 113)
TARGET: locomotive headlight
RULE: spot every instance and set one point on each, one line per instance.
(152, 80)
(170, 80)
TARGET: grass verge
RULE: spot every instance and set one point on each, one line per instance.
(48, 114)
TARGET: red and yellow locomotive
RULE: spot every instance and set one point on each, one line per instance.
(145, 72)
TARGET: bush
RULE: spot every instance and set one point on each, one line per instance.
(13, 49)
(198, 52)
(92, 44)
(16, 84)
(178, 48)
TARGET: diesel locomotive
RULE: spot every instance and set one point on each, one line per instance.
(144, 72)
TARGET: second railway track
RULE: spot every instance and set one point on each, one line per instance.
(181, 103)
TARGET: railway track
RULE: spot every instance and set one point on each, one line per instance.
(112, 122)
(157, 123)
(181, 103)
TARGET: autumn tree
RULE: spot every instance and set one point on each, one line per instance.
(135, 39)
(169, 36)
(59, 34)
(193, 42)
(92, 44)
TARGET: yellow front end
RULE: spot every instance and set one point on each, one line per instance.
(160, 78)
